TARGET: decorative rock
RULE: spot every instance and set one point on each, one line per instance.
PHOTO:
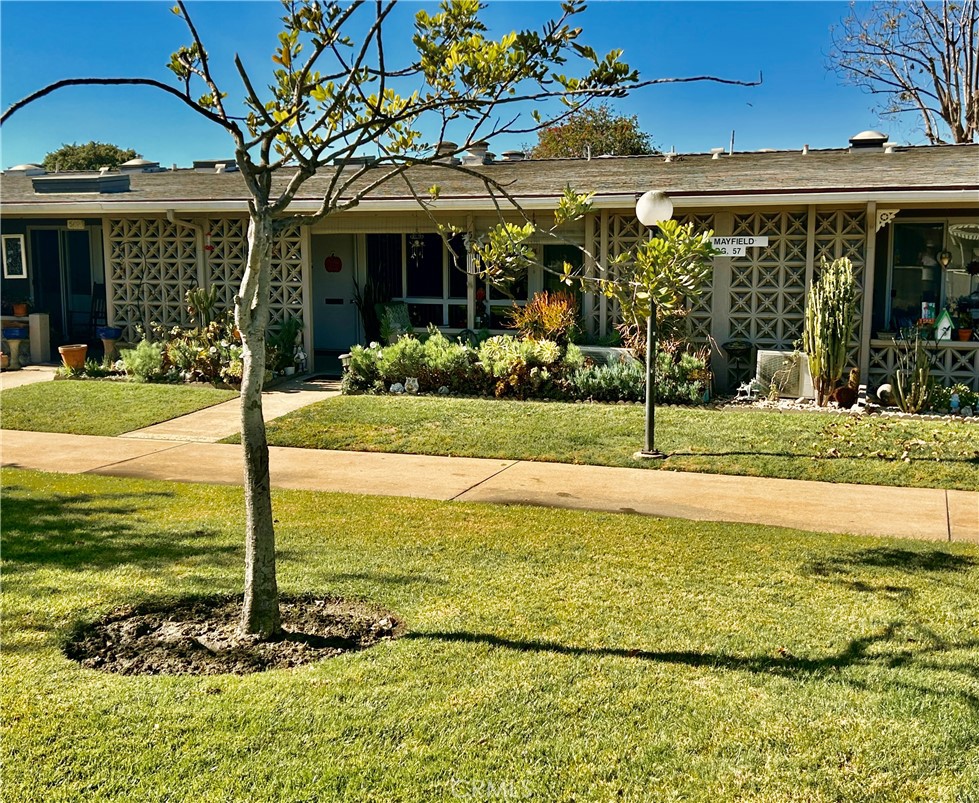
(966, 412)
(885, 393)
(411, 385)
(397, 388)
(444, 390)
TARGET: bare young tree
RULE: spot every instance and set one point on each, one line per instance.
(333, 94)
(920, 57)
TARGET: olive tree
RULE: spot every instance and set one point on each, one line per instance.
(334, 93)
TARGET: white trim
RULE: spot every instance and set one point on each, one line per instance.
(472, 203)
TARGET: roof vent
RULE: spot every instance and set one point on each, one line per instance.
(140, 165)
(478, 153)
(866, 140)
(889, 147)
(716, 153)
(514, 156)
(101, 183)
(354, 161)
(211, 165)
(26, 169)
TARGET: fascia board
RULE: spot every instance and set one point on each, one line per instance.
(617, 201)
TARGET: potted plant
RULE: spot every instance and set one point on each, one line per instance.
(20, 307)
(964, 332)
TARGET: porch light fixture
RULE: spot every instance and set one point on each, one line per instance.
(652, 208)
(944, 258)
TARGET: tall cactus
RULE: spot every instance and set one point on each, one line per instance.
(830, 310)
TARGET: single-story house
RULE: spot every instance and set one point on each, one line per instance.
(908, 218)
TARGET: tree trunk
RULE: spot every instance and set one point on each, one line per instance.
(260, 614)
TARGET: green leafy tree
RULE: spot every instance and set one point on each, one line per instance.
(90, 156)
(335, 91)
(597, 130)
(917, 56)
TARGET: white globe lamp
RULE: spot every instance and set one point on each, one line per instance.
(653, 207)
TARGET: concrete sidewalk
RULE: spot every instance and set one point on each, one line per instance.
(216, 423)
(929, 514)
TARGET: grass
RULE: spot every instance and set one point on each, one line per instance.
(101, 408)
(551, 655)
(811, 446)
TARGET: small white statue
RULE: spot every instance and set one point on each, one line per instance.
(411, 385)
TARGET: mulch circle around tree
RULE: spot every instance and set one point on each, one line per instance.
(199, 636)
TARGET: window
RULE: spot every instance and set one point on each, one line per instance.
(419, 270)
(14, 257)
(925, 273)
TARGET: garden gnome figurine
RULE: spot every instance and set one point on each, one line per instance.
(953, 403)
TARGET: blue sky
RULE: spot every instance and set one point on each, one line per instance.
(800, 102)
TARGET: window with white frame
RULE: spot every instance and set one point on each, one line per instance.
(421, 271)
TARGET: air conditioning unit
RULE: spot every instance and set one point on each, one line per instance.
(787, 371)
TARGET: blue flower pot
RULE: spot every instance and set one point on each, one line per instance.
(108, 332)
(16, 333)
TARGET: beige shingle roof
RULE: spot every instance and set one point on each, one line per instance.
(950, 167)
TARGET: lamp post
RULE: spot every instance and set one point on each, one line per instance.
(652, 208)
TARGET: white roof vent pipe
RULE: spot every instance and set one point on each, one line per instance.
(890, 147)
(513, 156)
(716, 153)
(445, 152)
(220, 167)
(805, 149)
(477, 153)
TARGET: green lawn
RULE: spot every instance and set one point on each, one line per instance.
(766, 443)
(101, 408)
(552, 654)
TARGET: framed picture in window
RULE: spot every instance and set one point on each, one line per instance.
(14, 257)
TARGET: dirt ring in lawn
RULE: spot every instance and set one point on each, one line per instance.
(199, 636)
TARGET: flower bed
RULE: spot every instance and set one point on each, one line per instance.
(518, 368)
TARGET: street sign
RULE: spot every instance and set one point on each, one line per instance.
(737, 246)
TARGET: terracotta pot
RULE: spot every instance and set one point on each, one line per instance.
(20, 310)
(4, 361)
(73, 356)
(964, 334)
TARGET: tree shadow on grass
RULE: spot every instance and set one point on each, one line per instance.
(94, 531)
(905, 560)
(862, 651)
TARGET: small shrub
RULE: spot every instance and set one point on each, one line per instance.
(404, 358)
(145, 362)
(524, 368)
(362, 373)
(547, 316)
(681, 378)
(617, 381)
(448, 364)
